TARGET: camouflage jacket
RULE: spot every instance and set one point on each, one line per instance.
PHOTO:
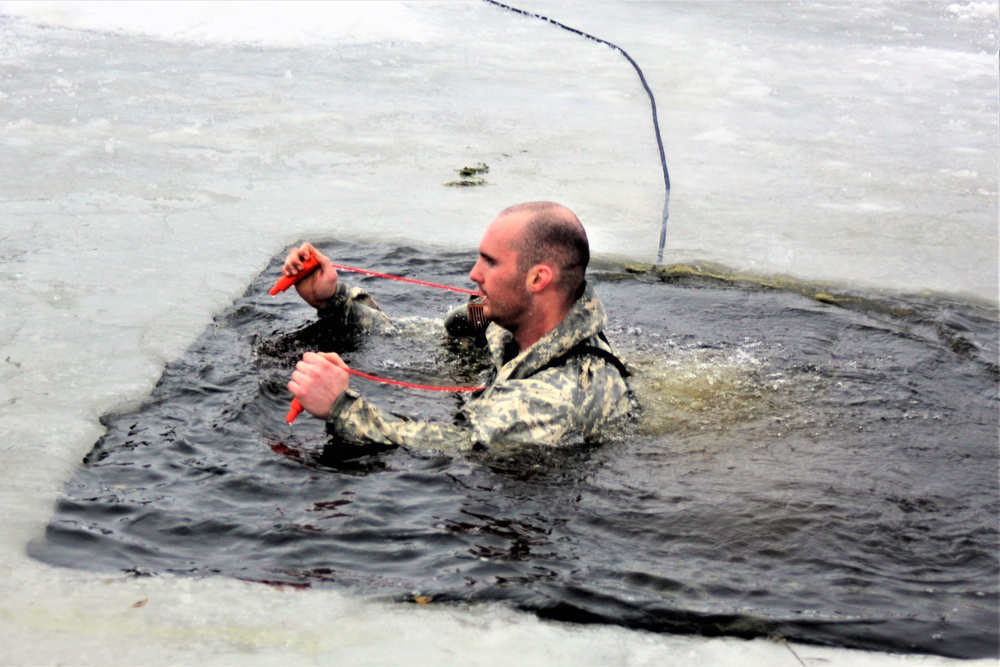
(554, 393)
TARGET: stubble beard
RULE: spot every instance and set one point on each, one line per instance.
(510, 318)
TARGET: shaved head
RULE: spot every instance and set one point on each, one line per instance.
(552, 234)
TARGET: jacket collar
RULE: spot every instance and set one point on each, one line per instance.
(583, 321)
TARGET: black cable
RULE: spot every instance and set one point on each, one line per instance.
(652, 103)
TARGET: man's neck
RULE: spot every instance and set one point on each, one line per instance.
(541, 321)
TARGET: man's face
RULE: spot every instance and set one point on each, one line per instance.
(506, 299)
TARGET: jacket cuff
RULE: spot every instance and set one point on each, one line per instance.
(343, 402)
(337, 304)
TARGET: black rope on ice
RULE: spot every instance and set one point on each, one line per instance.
(652, 103)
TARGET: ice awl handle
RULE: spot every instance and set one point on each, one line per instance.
(294, 410)
(284, 282)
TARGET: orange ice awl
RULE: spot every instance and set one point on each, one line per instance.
(294, 411)
(284, 282)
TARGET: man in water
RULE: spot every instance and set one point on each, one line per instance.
(556, 380)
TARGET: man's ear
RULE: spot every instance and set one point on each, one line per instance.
(539, 277)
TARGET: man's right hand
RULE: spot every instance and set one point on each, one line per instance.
(318, 380)
(317, 288)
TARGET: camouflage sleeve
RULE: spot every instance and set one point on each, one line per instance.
(356, 421)
(559, 406)
(353, 306)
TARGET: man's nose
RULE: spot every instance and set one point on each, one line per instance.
(475, 275)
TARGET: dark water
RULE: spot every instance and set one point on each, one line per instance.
(823, 470)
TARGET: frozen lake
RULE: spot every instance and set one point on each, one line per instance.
(155, 157)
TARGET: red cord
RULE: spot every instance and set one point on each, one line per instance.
(410, 385)
(296, 408)
(311, 264)
(407, 280)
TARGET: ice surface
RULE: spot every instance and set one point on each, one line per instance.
(154, 156)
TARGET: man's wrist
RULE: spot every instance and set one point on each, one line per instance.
(341, 403)
(334, 302)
